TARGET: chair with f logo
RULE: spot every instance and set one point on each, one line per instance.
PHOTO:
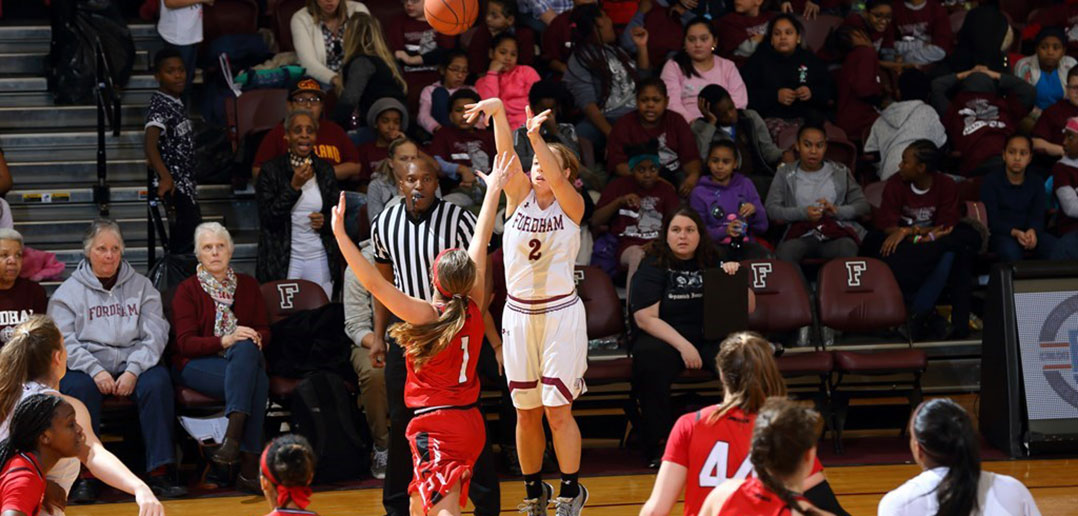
(860, 295)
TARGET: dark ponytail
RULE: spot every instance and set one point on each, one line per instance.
(682, 57)
(32, 417)
(784, 431)
(945, 434)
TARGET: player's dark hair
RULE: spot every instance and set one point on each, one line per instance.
(27, 356)
(504, 36)
(546, 89)
(945, 434)
(705, 255)
(811, 125)
(291, 459)
(32, 417)
(714, 93)
(784, 431)
(684, 62)
(509, 8)
(749, 374)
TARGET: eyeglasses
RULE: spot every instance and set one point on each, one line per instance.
(307, 101)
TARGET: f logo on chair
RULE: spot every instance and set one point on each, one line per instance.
(287, 291)
(853, 272)
(759, 274)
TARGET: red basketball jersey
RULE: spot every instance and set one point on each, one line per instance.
(712, 452)
(753, 498)
(448, 378)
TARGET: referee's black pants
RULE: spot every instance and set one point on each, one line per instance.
(484, 491)
(656, 365)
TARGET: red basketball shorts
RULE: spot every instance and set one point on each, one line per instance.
(445, 445)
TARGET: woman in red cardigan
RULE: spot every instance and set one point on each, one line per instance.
(221, 327)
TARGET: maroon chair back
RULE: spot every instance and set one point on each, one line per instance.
(817, 30)
(782, 301)
(874, 194)
(601, 302)
(859, 295)
(841, 151)
(282, 21)
(229, 17)
(255, 110)
(286, 297)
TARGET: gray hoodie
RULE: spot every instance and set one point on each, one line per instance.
(900, 125)
(781, 205)
(119, 330)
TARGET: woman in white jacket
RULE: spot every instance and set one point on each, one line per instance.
(318, 37)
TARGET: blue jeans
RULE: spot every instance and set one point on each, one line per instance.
(240, 379)
(931, 289)
(156, 409)
(1009, 250)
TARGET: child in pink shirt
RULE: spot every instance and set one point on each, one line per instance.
(507, 80)
(434, 98)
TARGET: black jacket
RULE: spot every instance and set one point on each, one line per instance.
(767, 71)
(276, 197)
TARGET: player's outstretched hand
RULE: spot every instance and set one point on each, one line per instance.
(499, 174)
(338, 218)
(489, 107)
(535, 122)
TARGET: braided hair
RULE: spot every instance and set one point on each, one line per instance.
(33, 416)
(945, 434)
(592, 52)
(784, 431)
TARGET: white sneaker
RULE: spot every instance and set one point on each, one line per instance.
(571, 506)
(537, 506)
(379, 458)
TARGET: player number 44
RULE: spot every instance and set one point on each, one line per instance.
(715, 467)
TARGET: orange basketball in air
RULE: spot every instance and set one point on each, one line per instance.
(451, 17)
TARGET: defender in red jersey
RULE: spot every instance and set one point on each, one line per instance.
(43, 431)
(441, 341)
(286, 471)
(783, 456)
(711, 446)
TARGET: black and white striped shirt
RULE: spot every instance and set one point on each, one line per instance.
(411, 245)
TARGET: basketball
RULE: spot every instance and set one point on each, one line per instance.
(451, 17)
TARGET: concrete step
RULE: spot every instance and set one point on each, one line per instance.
(36, 83)
(72, 231)
(43, 32)
(51, 174)
(241, 213)
(70, 146)
(34, 62)
(43, 98)
(69, 117)
(118, 193)
(245, 255)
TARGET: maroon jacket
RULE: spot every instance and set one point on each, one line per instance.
(859, 92)
(193, 313)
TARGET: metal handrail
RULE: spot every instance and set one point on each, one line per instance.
(108, 115)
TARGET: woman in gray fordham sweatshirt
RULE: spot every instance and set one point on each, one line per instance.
(115, 330)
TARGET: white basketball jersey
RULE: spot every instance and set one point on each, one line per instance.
(540, 248)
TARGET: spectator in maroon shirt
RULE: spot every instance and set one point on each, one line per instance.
(741, 31)
(679, 159)
(919, 232)
(875, 21)
(418, 47)
(20, 298)
(557, 40)
(860, 92)
(981, 115)
(922, 31)
(634, 207)
(220, 325)
(664, 26)
(1048, 133)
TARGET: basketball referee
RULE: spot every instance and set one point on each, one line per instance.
(407, 237)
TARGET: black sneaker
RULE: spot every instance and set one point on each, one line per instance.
(85, 490)
(164, 487)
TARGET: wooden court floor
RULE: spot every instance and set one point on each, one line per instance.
(1054, 484)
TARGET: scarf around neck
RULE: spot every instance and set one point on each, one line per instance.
(222, 293)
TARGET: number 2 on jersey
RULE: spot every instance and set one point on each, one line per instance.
(464, 363)
(535, 244)
(715, 467)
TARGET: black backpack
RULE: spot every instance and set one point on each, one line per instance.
(324, 413)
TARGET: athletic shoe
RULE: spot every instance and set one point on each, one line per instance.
(85, 490)
(537, 506)
(571, 506)
(379, 458)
